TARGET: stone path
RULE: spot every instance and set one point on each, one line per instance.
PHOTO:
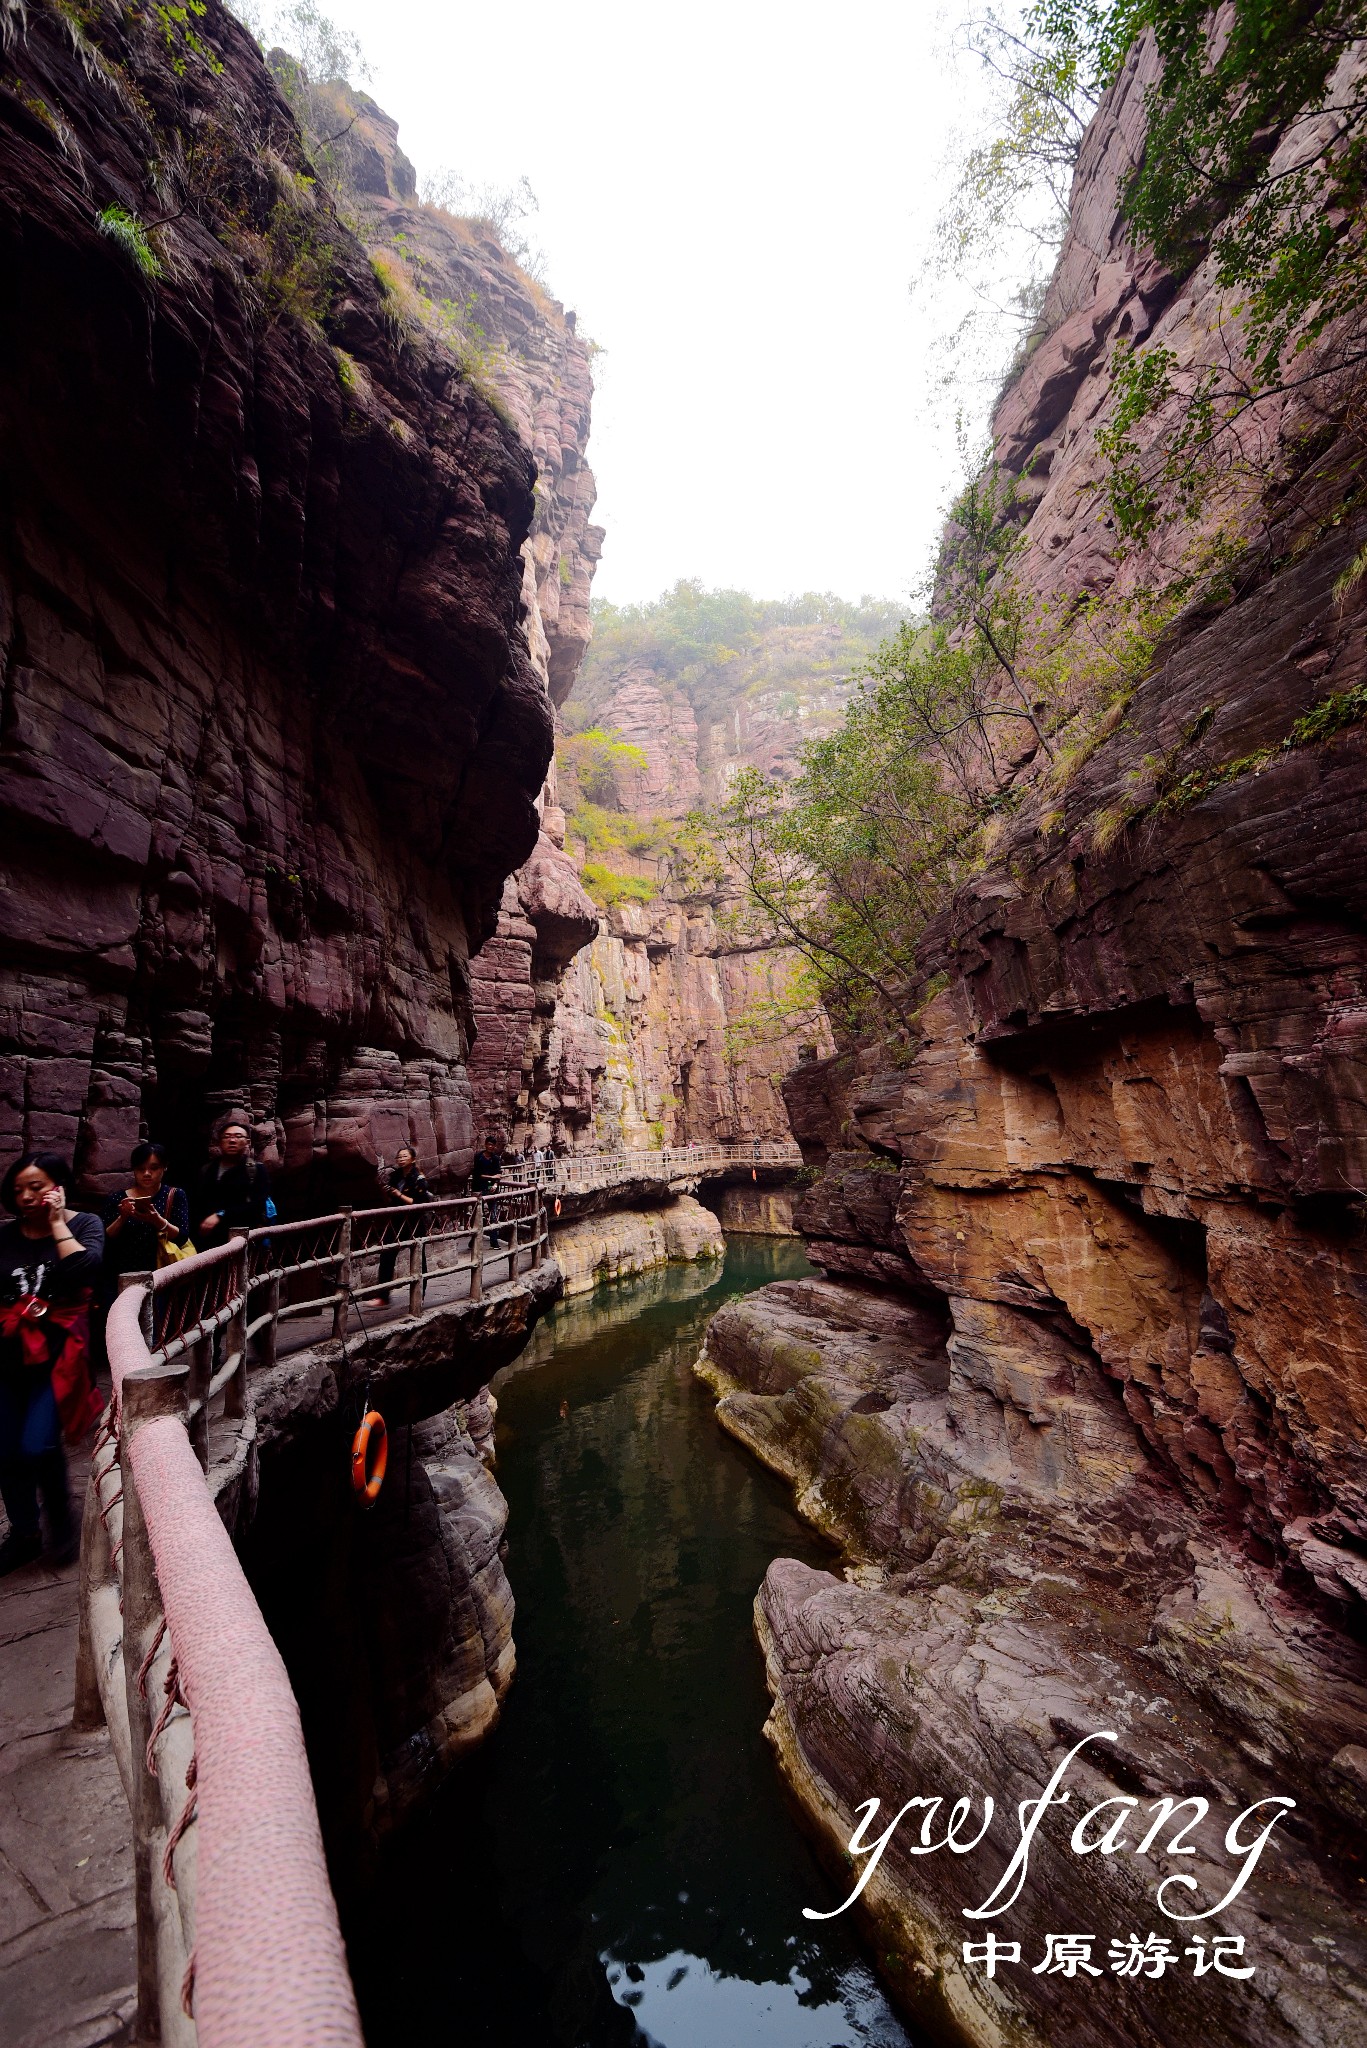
(66, 1858)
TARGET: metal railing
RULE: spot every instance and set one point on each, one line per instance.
(237, 1935)
(583, 1170)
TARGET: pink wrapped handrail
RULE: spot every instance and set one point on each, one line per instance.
(270, 1967)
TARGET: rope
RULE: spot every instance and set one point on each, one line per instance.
(174, 1698)
(187, 1814)
(187, 1988)
(146, 1664)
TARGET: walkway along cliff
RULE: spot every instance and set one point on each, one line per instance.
(276, 633)
(1080, 1393)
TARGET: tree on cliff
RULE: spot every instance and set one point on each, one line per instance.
(1254, 158)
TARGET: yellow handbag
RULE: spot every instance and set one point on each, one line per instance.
(169, 1254)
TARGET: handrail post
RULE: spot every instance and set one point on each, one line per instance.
(88, 1708)
(344, 1276)
(148, 1393)
(201, 1366)
(416, 1253)
(271, 1332)
(477, 1253)
(235, 1336)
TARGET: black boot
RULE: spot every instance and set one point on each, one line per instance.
(63, 1541)
(17, 1550)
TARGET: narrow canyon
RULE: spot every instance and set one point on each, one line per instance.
(1013, 1244)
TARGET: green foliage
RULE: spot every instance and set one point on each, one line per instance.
(178, 32)
(598, 760)
(131, 236)
(1285, 241)
(702, 642)
(607, 887)
(298, 275)
(890, 812)
(792, 1007)
(314, 63)
(398, 295)
(606, 831)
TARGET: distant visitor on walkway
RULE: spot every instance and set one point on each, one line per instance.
(405, 1183)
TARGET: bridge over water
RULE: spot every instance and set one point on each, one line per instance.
(236, 1929)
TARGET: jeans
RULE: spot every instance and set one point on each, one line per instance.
(31, 1455)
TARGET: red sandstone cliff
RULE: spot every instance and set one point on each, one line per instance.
(526, 352)
(275, 630)
(1082, 1393)
(674, 1024)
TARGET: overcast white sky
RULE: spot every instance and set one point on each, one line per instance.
(732, 197)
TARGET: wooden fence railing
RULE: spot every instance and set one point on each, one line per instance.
(582, 1170)
(237, 1935)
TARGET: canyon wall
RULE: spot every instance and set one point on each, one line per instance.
(286, 585)
(1081, 1394)
(525, 352)
(676, 1024)
(275, 706)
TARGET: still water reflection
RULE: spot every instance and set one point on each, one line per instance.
(618, 1865)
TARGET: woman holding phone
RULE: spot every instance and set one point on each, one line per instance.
(49, 1262)
(148, 1214)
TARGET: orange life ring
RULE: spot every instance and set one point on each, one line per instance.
(367, 1474)
(557, 1205)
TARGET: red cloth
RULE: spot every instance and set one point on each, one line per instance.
(57, 1340)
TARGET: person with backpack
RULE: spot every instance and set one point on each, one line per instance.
(233, 1191)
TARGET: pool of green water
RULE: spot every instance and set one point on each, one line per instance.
(618, 1864)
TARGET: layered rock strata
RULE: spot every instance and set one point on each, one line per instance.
(665, 1032)
(525, 351)
(277, 632)
(274, 732)
(674, 1025)
(1081, 1393)
(626, 1242)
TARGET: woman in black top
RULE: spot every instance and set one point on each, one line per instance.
(405, 1184)
(143, 1218)
(49, 1263)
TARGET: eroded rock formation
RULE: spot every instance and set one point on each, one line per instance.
(1081, 1393)
(627, 1242)
(280, 617)
(274, 732)
(674, 1025)
(525, 352)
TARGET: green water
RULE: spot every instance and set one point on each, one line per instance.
(618, 1865)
